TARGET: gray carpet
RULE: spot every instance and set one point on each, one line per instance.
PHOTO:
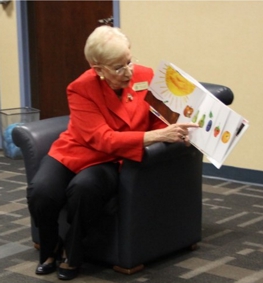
(231, 249)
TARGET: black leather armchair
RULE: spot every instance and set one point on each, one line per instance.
(158, 209)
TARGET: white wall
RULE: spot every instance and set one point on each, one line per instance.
(9, 68)
(214, 41)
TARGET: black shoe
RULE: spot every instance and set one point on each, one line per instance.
(67, 274)
(46, 268)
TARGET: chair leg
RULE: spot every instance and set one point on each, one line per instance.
(128, 271)
(36, 246)
(193, 247)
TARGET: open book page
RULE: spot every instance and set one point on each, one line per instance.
(175, 96)
(219, 160)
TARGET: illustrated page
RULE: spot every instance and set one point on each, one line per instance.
(174, 93)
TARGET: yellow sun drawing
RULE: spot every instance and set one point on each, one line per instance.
(174, 88)
(177, 84)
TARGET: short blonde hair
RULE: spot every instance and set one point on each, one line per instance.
(105, 44)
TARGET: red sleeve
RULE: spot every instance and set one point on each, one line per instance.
(156, 123)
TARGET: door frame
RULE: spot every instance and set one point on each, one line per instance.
(23, 48)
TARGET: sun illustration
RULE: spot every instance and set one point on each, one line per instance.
(174, 87)
(177, 84)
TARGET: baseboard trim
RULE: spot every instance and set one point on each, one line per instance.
(234, 174)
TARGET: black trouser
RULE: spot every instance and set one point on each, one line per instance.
(85, 195)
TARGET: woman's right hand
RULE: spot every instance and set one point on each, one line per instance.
(172, 133)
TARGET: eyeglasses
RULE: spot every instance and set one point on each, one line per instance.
(120, 71)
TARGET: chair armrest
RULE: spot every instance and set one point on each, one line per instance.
(223, 93)
(160, 152)
(35, 139)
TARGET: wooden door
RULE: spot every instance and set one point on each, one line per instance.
(57, 34)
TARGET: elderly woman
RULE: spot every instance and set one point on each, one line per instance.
(109, 121)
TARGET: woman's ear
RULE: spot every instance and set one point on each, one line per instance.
(98, 70)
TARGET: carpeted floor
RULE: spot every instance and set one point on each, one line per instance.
(231, 249)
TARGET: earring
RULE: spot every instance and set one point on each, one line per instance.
(102, 77)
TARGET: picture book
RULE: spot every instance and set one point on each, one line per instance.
(176, 97)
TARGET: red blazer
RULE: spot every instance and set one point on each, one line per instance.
(102, 128)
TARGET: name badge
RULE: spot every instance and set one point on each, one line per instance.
(140, 86)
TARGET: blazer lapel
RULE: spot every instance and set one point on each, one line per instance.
(130, 101)
(114, 104)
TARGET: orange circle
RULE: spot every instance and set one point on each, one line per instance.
(226, 136)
